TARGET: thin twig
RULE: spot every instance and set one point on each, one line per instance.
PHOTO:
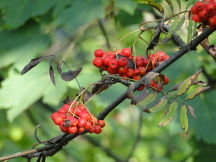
(103, 29)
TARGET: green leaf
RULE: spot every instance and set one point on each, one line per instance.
(179, 4)
(158, 105)
(184, 87)
(196, 92)
(205, 124)
(187, 83)
(190, 30)
(148, 99)
(126, 5)
(17, 12)
(19, 92)
(72, 18)
(168, 116)
(184, 118)
(152, 3)
(176, 25)
(170, 5)
(20, 46)
(54, 94)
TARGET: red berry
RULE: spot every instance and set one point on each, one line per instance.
(80, 130)
(139, 63)
(203, 14)
(98, 129)
(122, 61)
(54, 115)
(72, 130)
(112, 71)
(196, 18)
(98, 53)
(130, 72)
(64, 108)
(153, 84)
(81, 122)
(136, 77)
(135, 71)
(97, 62)
(92, 129)
(87, 125)
(141, 88)
(58, 120)
(146, 61)
(194, 10)
(126, 52)
(73, 120)
(63, 128)
(166, 79)
(101, 123)
(212, 21)
(85, 116)
(122, 70)
(142, 71)
(113, 64)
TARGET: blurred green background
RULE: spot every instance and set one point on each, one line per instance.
(70, 29)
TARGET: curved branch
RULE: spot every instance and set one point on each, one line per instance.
(57, 143)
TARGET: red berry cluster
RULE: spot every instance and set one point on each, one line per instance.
(204, 12)
(123, 63)
(76, 118)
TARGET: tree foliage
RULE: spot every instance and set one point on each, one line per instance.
(69, 30)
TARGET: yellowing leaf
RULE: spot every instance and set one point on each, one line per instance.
(152, 3)
(159, 105)
(192, 112)
(148, 99)
(168, 117)
(184, 87)
(196, 92)
(187, 83)
(184, 118)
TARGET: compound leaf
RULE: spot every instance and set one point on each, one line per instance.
(184, 118)
(169, 115)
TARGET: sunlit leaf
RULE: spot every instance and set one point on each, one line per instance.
(184, 118)
(169, 116)
(196, 92)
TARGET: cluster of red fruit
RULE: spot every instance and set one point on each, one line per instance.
(75, 118)
(204, 12)
(123, 63)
